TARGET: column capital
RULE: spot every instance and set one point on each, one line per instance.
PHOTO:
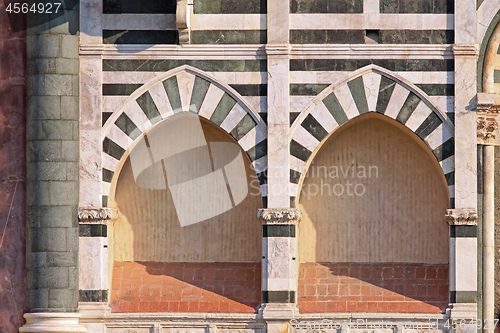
(461, 216)
(486, 130)
(279, 215)
(97, 214)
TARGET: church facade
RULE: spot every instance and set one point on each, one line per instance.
(261, 166)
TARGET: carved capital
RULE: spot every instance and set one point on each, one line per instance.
(462, 216)
(486, 130)
(279, 216)
(94, 214)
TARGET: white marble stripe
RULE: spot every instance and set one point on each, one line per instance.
(137, 115)
(324, 117)
(448, 165)
(253, 137)
(263, 190)
(212, 98)
(466, 263)
(444, 103)
(260, 164)
(109, 162)
(138, 77)
(257, 103)
(441, 134)
(228, 22)
(421, 112)
(397, 100)
(371, 21)
(139, 22)
(119, 137)
(451, 191)
(293, 189)
(186, 83)
(112, 103)
(161, 100)
(297, 164)
(305, 138)
(298, 103)
(371, 82)
(233, 118)
(105, 188)
(371, 6)
(346, 101)
(332, 77)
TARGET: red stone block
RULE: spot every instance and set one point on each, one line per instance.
(183, 306)
(431, 273)
(352, 306)
(354, 290)
(420, 272)
(173, 306)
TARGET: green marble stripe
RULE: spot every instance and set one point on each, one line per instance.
(444, 151)
(118, 89)
(384, 93)
(250, 89)
(408, 107)
(294, 176)
(498, 50)
(172, 89)
(438, 89)
(326, 6)
(200, 89)
(230, 7)
(112, 149)
(416, 6)
(127, 126)
(306, 89)
(258, 151)
(332, 104)
(299, 151)
(225, 105)
(496, 76)
(149, 108)
(450, 178)
(105, 201)
(463, 296)
(129, 65)
(428, 126)
(107, 175)
(357, 89)
(244, 126)
(229, 37)
(349, 65)
(311, 125)
(138, 7)
(140, 37)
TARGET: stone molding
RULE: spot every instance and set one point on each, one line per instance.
(54, 322)
(461, 216)
(466, 50)
(279, 215)
(94, 214)
(278, 50)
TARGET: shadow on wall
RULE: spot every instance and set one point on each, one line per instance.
(211, 266)
(374, 202)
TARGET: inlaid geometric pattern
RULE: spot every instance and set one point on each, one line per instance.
(371, 90)
(184, 89)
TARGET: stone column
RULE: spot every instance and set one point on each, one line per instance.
(52, 172)
(487, 126)
(279, 265)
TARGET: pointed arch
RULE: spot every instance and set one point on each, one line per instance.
(488, 66)
(182, 89)
(370, 89)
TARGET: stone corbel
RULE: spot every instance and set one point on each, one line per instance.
(462, 216)
(279, 215)
(97, 215)
(183, 17)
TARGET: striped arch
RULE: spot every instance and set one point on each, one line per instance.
(183, 89)
(370, 89)
(489, 59)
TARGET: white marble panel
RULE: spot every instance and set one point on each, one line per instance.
(186, 83)
(397, 100)
(297, 164)
(448, 165)
(441, 134)
(135, 113)
(212, 98)
(345, 99)
(466, 263)
(112, 103)
(233, 118)
(228, 22)
(119, 137)
(421, 112)
(253, 137)
(93, 263)
(324, 117)
(161, 100)
(371, 82)
(305, 138)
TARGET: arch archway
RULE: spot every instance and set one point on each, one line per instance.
(373, 237)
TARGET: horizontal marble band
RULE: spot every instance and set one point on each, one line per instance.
(93, 295)
(457, 231)
(138, 7)
(394, 65)
(93, 230)
(429, 89)
(230, 7)
(146, 65)
(139, 22)
(140, 36)
(325, 6)
(257, 37)
(463, 296)
(384, 36)
(278, 296)
(282, 230)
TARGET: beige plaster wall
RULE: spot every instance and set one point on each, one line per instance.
(400, 215)
(148, 228)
